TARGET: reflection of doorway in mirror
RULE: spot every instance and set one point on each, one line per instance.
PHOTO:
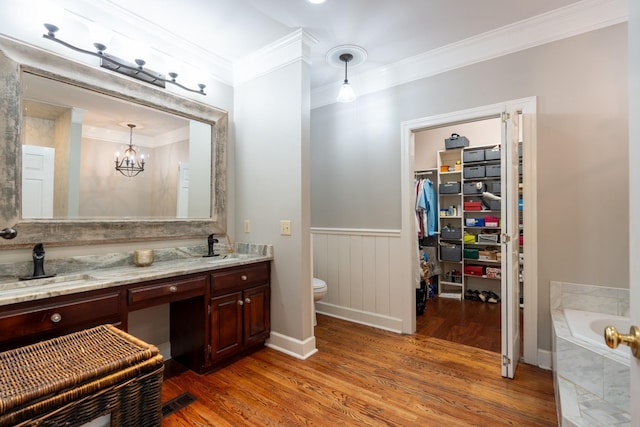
(183, 190)
(37, 181)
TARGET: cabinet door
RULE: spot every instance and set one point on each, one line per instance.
(226, 325)
(256, 315)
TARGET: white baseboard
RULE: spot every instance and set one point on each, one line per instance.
(291, 346)
(544, 359)
(363, 317)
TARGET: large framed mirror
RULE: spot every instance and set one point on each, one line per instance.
(62, 126)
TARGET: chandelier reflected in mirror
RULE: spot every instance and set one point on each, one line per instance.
(130, 165)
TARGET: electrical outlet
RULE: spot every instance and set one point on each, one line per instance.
(247, 226)
(285, 227)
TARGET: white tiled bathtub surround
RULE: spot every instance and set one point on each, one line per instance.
(591, 383)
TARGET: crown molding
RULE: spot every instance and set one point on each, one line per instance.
(294, 47)
(572, 20)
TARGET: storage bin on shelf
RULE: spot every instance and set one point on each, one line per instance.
(494, 187)
(492, 153)
(450, 252)
(473, 188)
(450, 232)
(76, 378)
(472, 205)
(487, 255)
(492, 170)
(473, 155)
(493, 272)
(474, 270)
(491, 221)
(471, 253)
(488, 238)
(474, 222)
(456, 141)
(470, 172)
(469, 238)
(449, 188)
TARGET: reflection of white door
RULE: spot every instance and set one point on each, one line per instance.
(183, 190)
(37, 181)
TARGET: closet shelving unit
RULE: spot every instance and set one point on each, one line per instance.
(482, 254)
(468, 168)
(450, 223)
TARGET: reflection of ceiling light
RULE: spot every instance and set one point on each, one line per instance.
(130, 165)
(346, 91)
(316, 1)
(137, 70)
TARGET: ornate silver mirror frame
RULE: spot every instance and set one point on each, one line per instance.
(16, 58)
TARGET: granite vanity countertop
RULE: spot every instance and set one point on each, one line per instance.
(13, 290)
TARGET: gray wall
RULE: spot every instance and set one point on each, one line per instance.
(581, 85)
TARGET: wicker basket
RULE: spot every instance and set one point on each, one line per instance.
(73, 379)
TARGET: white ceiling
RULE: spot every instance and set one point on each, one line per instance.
(390, 31)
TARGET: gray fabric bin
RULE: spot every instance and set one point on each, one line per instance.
(456, 141)
(472, 187)
(492, 170)
(451, 252)
(494, 187)
(494, 205)
(492, 154)
(488, 238)
(473, 172)
(472, 156)
(450, 233)
(449, 188)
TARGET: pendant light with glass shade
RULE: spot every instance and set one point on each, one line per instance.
(346, 91)
(346, 56)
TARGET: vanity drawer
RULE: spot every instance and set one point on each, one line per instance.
(167, 291)
(66, 315)
(240, 277)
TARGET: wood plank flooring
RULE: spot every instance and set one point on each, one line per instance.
(363, 376)
(473, 323)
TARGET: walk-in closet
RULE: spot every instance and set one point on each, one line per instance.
(462, 207)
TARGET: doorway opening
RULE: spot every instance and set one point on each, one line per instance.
(518, 127)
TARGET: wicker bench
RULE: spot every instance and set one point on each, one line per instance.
(76, 378)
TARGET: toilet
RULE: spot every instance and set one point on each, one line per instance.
(319, 291)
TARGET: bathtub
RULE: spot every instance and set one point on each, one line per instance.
(589, 327)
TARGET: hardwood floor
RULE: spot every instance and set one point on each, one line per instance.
(473, 323)
(365, 376)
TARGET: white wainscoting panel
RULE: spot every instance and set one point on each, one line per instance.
(358, 266)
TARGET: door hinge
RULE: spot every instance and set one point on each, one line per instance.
(505, 117)
(505, 238)
(209, 309)
(505, 360)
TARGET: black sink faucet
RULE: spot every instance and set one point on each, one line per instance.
(8, 233)
(38, 260)
(210, 242)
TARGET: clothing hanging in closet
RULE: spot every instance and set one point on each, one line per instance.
(426, 208)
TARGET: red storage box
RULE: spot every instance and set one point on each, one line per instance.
(472, 206)
(474, 270)
(491, 221)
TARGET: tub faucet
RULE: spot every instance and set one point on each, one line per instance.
(8, 233)
(38, 260)
(210, 242)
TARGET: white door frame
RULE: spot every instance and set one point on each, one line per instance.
(408, 233)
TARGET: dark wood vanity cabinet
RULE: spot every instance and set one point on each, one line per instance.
(29, 322)
(214, 315)
(240, 311)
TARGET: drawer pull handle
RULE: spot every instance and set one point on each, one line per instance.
(56, 317)
(247, 300)
(240, 302)
(243, 277)
(173, 288)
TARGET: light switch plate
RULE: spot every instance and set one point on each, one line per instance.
(285, 227)
(247, 226)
